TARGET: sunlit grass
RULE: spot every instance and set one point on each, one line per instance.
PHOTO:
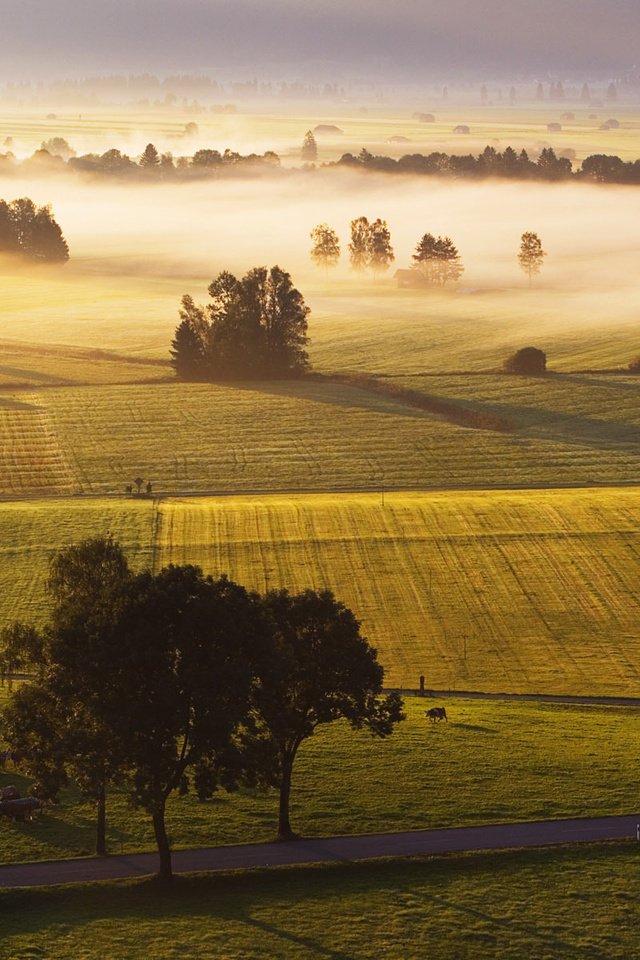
(307, 435)
(495, 761)
(532, 591)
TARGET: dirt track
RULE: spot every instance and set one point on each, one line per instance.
(327, 850)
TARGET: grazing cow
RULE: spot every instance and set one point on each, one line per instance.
(20, 809)
(436, 714)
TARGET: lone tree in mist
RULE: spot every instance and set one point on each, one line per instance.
(150, 158)
(325, 251)
(318, 669)
(381, 254)
(31, 232)
(370, 247)
(58, 147)
(437, 260)
(309, 151)
(531, 255)
(528, 360)
(359, 245)
(253, 328)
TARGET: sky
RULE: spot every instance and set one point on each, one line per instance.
(58, 38)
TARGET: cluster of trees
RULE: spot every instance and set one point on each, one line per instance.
(254, 327)
(369, 248)
(436, 260)
(31, 232)
(176, 681)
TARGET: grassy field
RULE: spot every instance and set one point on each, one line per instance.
(259, 127)
(495, 761)
(559, 904)
(32, 532)
(315, 436)
(531, 591)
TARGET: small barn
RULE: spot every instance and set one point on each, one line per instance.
(409, 278)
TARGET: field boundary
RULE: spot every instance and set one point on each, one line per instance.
(344, 849)
(560, 698)
(373, 489)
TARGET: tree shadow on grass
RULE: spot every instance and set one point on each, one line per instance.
(10, 403)
(544, 425)
(333, 395)
(37, 375)
(549, 940)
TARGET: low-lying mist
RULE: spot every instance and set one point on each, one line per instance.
(136, 249)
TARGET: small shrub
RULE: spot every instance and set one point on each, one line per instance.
(634, 366)
(527, 360)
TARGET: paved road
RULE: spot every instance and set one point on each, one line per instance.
(327, 850)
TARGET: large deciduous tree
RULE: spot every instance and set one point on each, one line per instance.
(55, 721)
(318, 668)
(181, 685)
(531, 255)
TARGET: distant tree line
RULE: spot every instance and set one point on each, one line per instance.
(509, 164)
(253, 327)
(176, 681)
(57, 154)
(31, 232)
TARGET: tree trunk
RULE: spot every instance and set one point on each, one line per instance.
(101, 823)
(284, 827)
(165, 871)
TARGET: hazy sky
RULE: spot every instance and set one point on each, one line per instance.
(64, 37)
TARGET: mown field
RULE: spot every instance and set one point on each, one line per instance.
(518, 591)
(554, 904)
(494, 762)
(316, 435)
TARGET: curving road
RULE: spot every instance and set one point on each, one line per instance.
(413, 843)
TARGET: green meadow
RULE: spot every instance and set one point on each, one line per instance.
(567, 902)
(493, 762)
